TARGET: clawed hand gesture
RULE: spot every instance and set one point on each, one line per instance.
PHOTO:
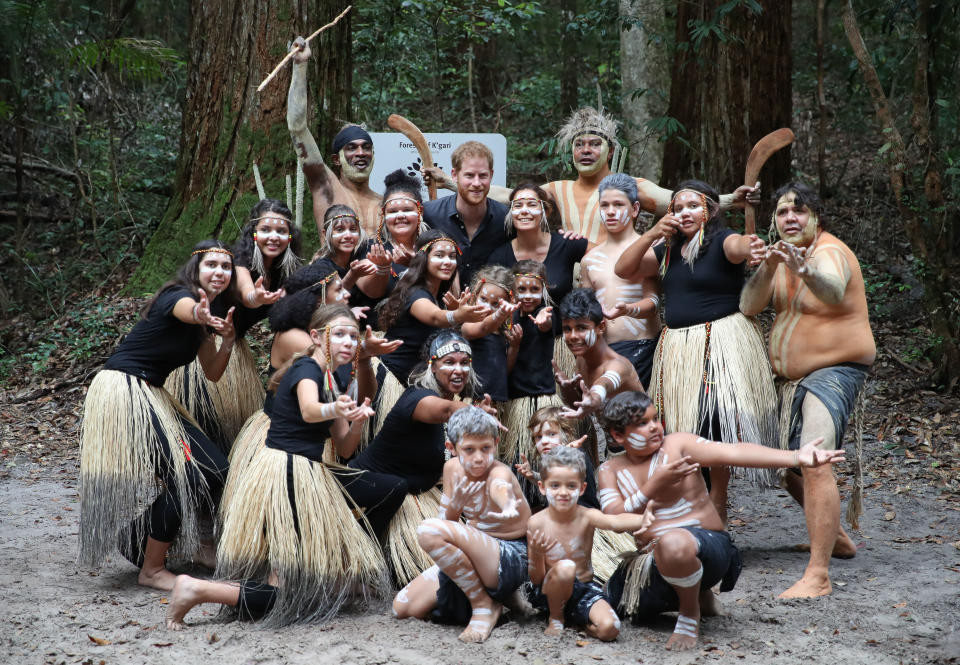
(544, 319)
(468, 313)
(347, 408)
(523, 468)
(509, 511)
(810, 455)
(487, 405)
(465, 491)
(374, 345)
(589, 403)
(360, 312)
(379, 256)
(620, 309)
(221, 326)
(648, 520)
(539, 542)
(667, 475)
(758, 251)
(505, 310)
(795, 258)
(362, 268)
(402, 255)
(514, 335)
(562, 379)
(263, 297)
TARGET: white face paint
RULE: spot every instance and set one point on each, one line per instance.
(491, 296)
(344, 338)
(572, 496)
(476, 454)
(636, 441)
(356, 167)
(526, 208)
(214, 272)
(452, 371)
(590, 337)
(547, 437)
(590, 153)
(442, 261)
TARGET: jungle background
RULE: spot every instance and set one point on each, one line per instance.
(128, 130)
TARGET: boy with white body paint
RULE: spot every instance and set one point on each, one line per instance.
(481, 563)
(560, 542)
(601, 371)
(688, 549)
(631, 307)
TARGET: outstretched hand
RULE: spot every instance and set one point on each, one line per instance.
(363, 268)
(793, 257)
(810, 455)
(303, 54)
(758, 251)
(509, 511)
(539, 542)
(523, 468)
(379, 256)
(464, 491)
(667, 475)
(263, 297)
(374, 345)
(562, 379)
(544, 319)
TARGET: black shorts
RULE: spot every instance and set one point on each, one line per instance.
(577, 609)
(640, 353)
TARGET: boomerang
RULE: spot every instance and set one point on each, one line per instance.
(761, 152)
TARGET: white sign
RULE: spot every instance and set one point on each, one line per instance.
(394, 151)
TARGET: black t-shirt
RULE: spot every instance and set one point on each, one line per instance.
(490, 364)
(289, 432)
(442, 215)
(160, 342)
(708, 291)
(413, 332)
(406, 447)
(532, 372)
(562, 256)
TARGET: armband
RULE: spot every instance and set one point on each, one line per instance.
(599, 390)
(450, 318)
(328, 411)
(611, 376)
(383, 270)
(196, 310)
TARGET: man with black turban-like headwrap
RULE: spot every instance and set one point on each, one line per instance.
(352, 152)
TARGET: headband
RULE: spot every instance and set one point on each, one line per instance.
(323, 281)
(455, 345)
(221, 250)
(273, 216)
(345, 215)
(484, 280)
(426, 248)
(698, 193)
(348, 134)
(532, 276)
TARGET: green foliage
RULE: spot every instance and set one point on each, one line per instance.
(134, 60)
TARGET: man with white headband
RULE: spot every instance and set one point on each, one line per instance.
(821, 348)
(630, 306)
(352, 152)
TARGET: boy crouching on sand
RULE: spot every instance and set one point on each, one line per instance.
(686, 550)
(560, 541)
(483, 562)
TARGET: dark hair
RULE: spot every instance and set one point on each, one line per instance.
(399, 181)
(188, 278)
(305, 288)
(581, 304)
(551, 215)
(389, 310)
(715, 222)
(623, 409)
(310, 275)
(533, 267)
(805, 196)
(243, 247)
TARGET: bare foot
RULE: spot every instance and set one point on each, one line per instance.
(684, 635)
(809, 586)
(844, 548)
(710, 605)
(554, 628)
(183, 598)
(157, 578)
(481, 623)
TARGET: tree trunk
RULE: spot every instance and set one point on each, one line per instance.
(569, 57)
(228, 126)
(915, 181)
(645, 76)
(729, 93)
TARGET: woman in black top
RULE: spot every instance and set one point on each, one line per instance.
(294, 515)
(134, 432)
(710, 373)
(266, 253)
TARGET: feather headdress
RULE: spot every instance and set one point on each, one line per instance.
(588, 120)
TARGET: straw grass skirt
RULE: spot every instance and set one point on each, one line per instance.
(608, 550)
(717, 370)
(221, 407)
(406, 558)
(306, 533)
(562, 355)
(125, 422)
(251, 439)
(516, 414)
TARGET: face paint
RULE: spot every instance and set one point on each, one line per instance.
(574, 496)
(590, 337)
(797, 225)
(636, 441)
(360, 172)
(590, 154)
(214, 272)
(547, 437)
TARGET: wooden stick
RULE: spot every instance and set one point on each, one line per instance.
(296, 50)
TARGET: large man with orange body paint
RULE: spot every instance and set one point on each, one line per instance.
(821, 347)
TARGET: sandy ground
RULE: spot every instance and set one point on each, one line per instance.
(898, 601)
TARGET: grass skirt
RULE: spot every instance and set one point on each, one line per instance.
(221, 407)
(407, 559)
(608, 546)
(120, 452)
(516, 415)
(251, 439)
(321, 555)
(717, 371)
(563, 357)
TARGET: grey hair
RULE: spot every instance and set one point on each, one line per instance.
(622, 183)
(472, 421)
(565, 456)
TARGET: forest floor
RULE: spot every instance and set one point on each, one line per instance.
(897, 601)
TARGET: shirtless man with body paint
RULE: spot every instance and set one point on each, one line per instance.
(601, 371)
(659, 474)
(591, 136)
(352, 153)
(630, 307)
(821, 348)
(560, 540)
(483, 562)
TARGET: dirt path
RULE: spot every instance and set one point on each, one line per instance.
(898, 601)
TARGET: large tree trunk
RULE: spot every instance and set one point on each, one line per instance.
(569, 59)
(228, 126)
(729, 93)
(915, 180)
(645, 76)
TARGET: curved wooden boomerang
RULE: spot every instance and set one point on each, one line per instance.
(400, 124)
(761, 152)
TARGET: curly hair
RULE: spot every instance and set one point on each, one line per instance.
(624, 409)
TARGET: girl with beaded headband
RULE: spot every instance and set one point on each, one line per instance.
(530, 383)
(266, 254)
(294, 518)
(410, 443)
(495, 339)
(532, 214)
(710, 373)
(401, 216)
(134, 433)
